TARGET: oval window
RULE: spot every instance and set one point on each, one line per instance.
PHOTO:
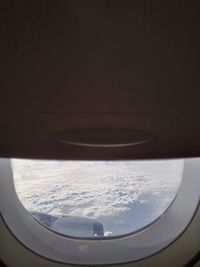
(96, 199)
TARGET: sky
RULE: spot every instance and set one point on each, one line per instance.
(123, 195)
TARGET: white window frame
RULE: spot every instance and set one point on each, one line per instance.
(150, 240)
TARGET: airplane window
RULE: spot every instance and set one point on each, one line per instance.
(97, 199)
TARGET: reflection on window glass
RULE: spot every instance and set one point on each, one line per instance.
(96, 198)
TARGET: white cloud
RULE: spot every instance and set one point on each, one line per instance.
(124, 196)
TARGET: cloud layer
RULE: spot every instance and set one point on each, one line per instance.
(124, 195)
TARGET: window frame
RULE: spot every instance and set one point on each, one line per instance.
(133, 247)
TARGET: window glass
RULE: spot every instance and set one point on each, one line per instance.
(96, 199)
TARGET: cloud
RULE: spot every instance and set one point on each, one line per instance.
(123, 195)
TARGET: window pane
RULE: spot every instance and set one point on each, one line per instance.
(96, 199)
